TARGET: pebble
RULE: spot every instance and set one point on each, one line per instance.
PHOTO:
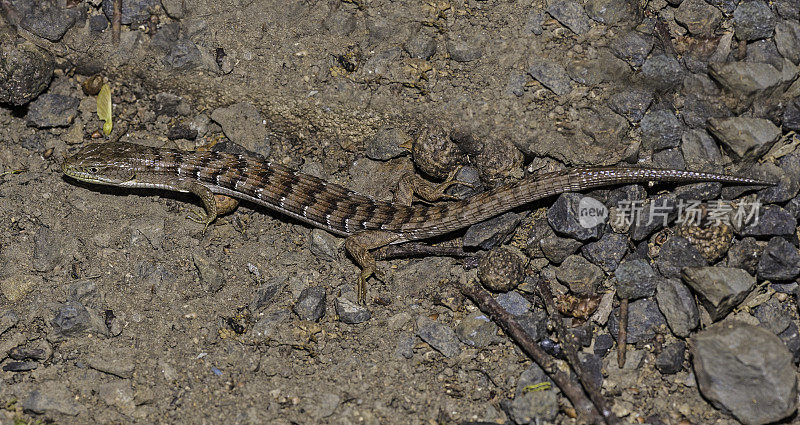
(117, 361)
(698, 109)
(52, 110)
(745, 79)
(670, 360)
(773, 315)
(46, 19)
(580, 275)
(533, 406)
(551, 75)
(661, 130)
(745, 254)
(787, 40)
(791, 116)
(17, 286)
(243, 124)
(462, 49)
(655, 214)
(791, 337)
(631, 104)
(602, 344)
(420, 46)
(118, 394)
(8, 319)
(385, 145)
(134, 12)
(676, 253)
(743, 369)
(669, 158)
(570, 14)
(183, 55)
(350, 312)
(772, 221)
(563, 216)
(606, 252)
(556, 248)
(211, 276)
(610, 12)
(326, 246)
(500, 270)
(439, 336)
(20, 366)
(72, 319)
(310, 304)
(52, 398)
(644, 319)
(25, 72)
(677, 304)
(764, 51)
(514, 303)
(636, 279)
(662, 72)
(534, 323)
(699, 17)
(266, 327)
(633, 47)
(477, 330)
(753, 20)
(404, 347)
(535, 21)
(780, 261)
(720, 289)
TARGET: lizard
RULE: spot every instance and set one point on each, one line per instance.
(367, 224)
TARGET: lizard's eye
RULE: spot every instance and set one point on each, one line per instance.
(93, 170)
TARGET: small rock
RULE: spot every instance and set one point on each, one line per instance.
(602, 344)
(420, 46)
(745, 79)
(743, 369)
(243, 124)
(98, 23)
(644, 319)
(753, 20)
(180, 130)
(677, 304)
(533, 406)
(25, 70)
(670, 360)
(662, 72)
(134, 12)
(780, 261)
(607, 252)
(570, 14)
(764, 51)
(514, 303)
(773, 315)
(52, 110)
(464, 50)
(500, 270)
(565, 216)
(787, 40)
(405, 347)
(350, 312)
(477, 330)
(183, 55)
(52, 398)
(670, 159)
(386, 144)
(46, 19)
(556, 249)
(439, 336)
(791, 337)
(654, 214)
(700, 152)
(772, 221)
(744, 254)
(17, 286)
(633, 47)
(636, 279)
(631, 104)
(720, 289)
(266, 327)
(265, 292)
(580, 275)
(325, 245)
(114, 361)
(534, 323)
(552, 75)
(661, 130)
(212, 278)
(676, 253)
(8, 319)
(72, 319)
(491, 233)
(699, 17)
(610, 12)
(311, 304)
(20, 366)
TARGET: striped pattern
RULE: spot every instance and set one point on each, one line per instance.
(331, 206)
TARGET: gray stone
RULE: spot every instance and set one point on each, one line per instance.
(780, 261)
(72, 319)
(350, 312)
(266, 292)
(745, 254)
(669, 158)
(463, 49)
(52, 398)
(772, 221)
(118, 394)
(720, 289)
(420, 46)
(514, 303)
(552, 75)
(791, 116)
(773, 315)
(570, 14)
(699, 17)
(491, 233)
(20, 366)
(117, 361)
(134, 12)
(670, 360)
(556, 248)
(52, 110)
(243, 124)
(47, 19)
(477, 330)
(610, 12)
(636, 279)
(745, 137)
(606, 252)
(210, 274)
(533, 406)
(791, 337)
(183, 55)
(661, 130)
(644, 320)
(678, 306)
(662, 72)
(654, 214)
(746, 78)
(633, 47)
(386, 144)
(580, 275)
(753, 20)
(787, 40)
(534, 323)
(787, 9)
(267, 326)
(742, 369)
(310, 304)
(439, 336)
(564, 217)
(631, 104)
(676, 253)
(8, 319)
(326, 246)
(764, 51)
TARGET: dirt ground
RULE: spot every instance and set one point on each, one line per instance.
(144, 318)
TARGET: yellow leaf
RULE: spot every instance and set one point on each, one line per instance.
(104, 108)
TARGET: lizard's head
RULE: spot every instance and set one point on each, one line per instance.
(103, 163)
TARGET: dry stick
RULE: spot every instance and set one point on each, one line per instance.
(410, 249)
(510, 326)
(622, 334)
(116, 21)
(571, 352)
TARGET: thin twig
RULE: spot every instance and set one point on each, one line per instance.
(568, 385)
(412, 249)
(622, 334)
(116, 21)
(570, 350)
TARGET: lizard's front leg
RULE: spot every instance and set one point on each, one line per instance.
(411, 184)
(209, 203)
(359, 245)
